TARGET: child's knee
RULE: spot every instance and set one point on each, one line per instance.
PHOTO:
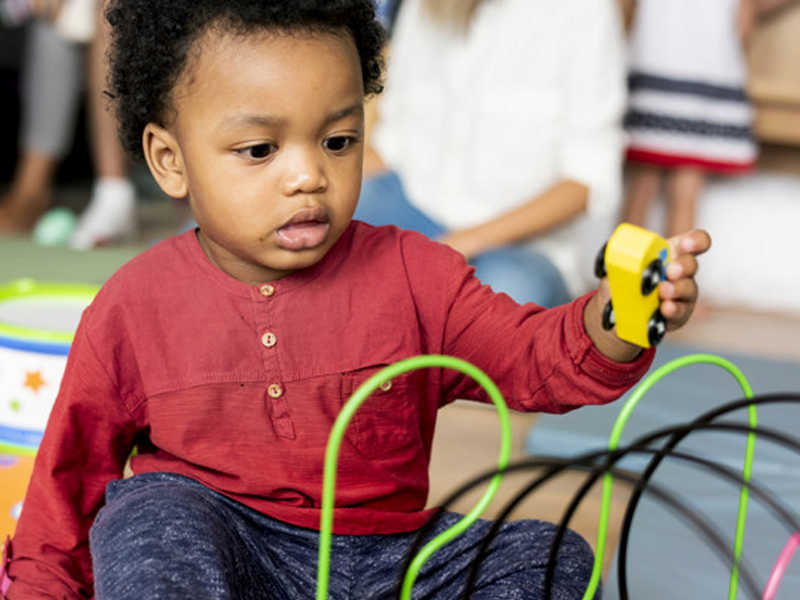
(149, 522)
(535, 539)
(146, 507)
(575, 557)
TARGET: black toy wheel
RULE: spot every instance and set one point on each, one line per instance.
(656, 328)
(600, 262)
(609, 319)
(651, 277)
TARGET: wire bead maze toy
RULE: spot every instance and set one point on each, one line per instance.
(596, 463)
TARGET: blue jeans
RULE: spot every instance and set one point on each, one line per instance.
(523, 274)
(164, 536)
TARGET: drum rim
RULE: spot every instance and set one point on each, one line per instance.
(31, 288)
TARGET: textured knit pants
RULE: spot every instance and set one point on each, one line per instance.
(163, 536)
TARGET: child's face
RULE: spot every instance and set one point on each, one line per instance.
(268, 130)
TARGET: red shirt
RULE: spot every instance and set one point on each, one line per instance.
(237, 386)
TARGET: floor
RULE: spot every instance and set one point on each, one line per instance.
(467, 438)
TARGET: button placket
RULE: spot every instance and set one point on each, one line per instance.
(276, 399)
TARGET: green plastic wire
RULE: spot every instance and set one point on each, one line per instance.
(29, 288)
(616, 433)
(332, 454)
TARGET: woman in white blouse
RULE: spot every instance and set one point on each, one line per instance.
(499, 133)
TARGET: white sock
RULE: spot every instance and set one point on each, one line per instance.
(110, 216)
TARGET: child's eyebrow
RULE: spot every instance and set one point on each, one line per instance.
(250, 119)
(356, 109)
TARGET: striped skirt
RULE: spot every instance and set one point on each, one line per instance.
(687, 102)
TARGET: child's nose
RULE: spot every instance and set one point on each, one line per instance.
(304, 173)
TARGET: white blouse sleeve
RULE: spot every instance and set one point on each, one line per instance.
(595, 93)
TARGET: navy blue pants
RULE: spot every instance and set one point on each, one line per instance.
(164, 536)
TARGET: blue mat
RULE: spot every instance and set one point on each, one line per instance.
(666, 558)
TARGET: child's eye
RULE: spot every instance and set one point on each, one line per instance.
(257, 151)
(338, 143)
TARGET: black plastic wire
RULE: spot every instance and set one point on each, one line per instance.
(558, 464)
(694, 517)
(774, 398)
(758, 490)
(739, 428)
(587, 462)
(612, 457)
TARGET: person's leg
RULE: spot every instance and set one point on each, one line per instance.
(111, 214)
(524, 275)
(684, 185)
(643, 186)
(51, 86)
(30, 192)
(514, 566)
(163, 535)
(166, 536)
(383, 201)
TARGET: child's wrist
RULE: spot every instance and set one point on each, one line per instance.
(606, 342)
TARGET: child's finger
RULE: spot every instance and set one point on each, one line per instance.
(693, 242)
(685, 265)
(676, 313)
(682, 290)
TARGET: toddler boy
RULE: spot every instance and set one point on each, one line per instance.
(225, 354)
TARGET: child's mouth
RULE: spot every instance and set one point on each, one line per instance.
(306, 229)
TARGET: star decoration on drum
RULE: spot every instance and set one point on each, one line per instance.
(34, 380)
(38, 321)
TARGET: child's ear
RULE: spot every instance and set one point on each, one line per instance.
(163, 155)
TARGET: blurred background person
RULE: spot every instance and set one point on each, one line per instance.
(65, 40)
(689, 113)
(499, 133)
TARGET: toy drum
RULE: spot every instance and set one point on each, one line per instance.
(37, 324)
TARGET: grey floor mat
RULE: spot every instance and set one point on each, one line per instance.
(667, 560)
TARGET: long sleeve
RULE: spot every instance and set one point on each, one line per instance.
(592, 139)
(595, 92)
(87, 440)
(541, 359)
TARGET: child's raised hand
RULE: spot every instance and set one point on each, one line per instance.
(679, 291)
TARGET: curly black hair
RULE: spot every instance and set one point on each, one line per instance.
(151, 41)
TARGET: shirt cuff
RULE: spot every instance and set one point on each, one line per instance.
(593, 362)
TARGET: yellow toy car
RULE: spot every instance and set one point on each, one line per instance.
(635, 261)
